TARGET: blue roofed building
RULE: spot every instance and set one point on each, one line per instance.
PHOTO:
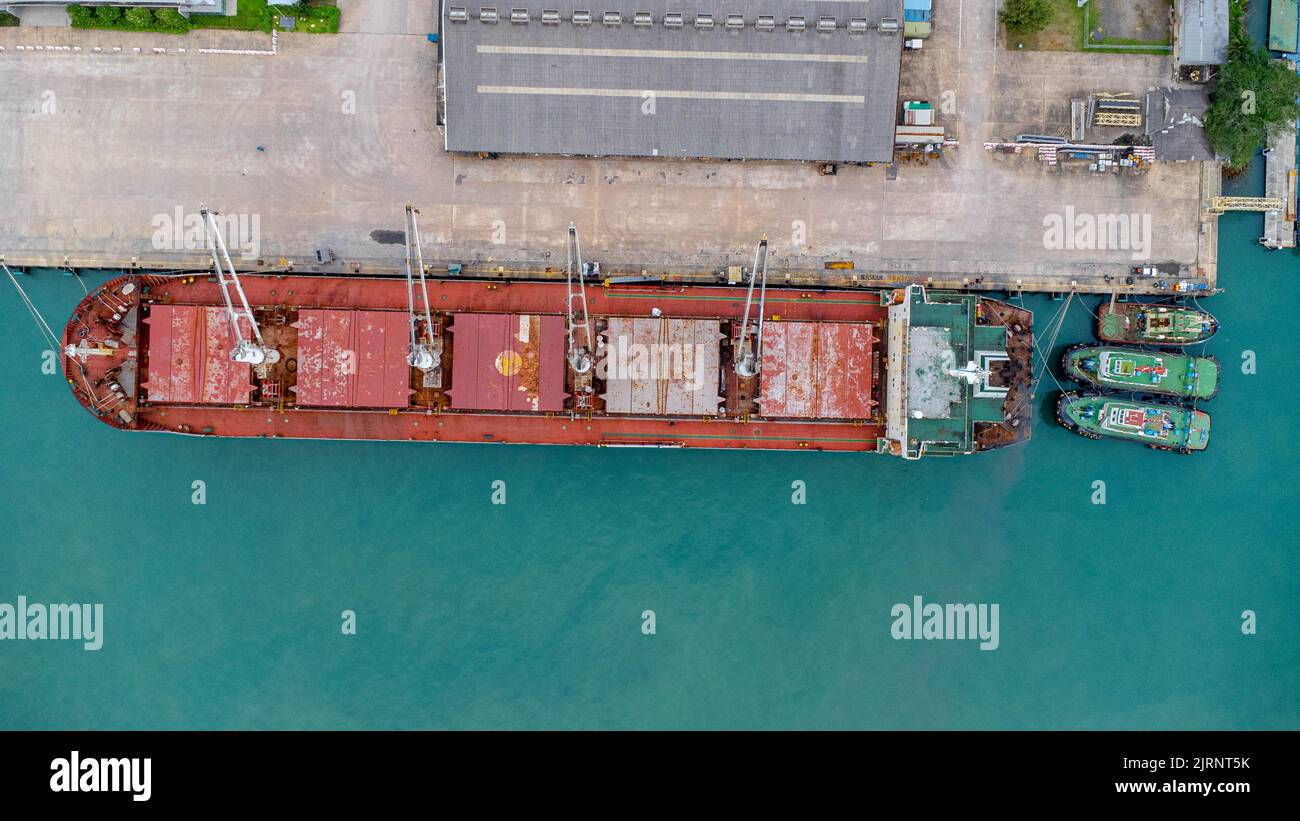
(917, 18)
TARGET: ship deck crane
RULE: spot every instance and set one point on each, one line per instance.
(424, 353)
(252, 351)
(580, 356)
(750, 360)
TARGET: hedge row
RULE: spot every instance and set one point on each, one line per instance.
(251, 15)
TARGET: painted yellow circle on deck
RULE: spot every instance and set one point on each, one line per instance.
(509, 363)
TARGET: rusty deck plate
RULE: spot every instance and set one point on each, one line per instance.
(662, 366)
(508, 362)
(817, 370)
(189, 358)
(353, 359)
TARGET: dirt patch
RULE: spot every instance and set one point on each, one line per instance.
(1064, 33)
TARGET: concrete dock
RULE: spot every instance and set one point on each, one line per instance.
(1280, 183)
(321, 141)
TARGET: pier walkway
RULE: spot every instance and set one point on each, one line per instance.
(1280, 183)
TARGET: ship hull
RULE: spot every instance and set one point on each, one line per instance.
(146, 353)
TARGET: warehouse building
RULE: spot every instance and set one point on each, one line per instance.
(771, 79)
(1175, 122)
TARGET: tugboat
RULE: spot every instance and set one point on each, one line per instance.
(1147, 324)
(1155, 424)
(1121, 368)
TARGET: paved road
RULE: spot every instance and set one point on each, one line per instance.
(97, 145)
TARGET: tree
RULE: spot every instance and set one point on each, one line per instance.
(1255, 96)
(108, 15)
(1027, 16)
(80, 15)
(139, 19)
(170, 20)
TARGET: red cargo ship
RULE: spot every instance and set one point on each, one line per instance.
(331, 357)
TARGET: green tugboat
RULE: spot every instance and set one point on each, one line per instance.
(1156, 425)
(1118, 368)
(1148, 324)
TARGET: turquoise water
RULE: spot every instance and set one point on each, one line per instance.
(768, 614)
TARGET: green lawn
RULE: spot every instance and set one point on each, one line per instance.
(317, 19)
(258, 15)
(250, 15)
(1117, 44)
(7, 19)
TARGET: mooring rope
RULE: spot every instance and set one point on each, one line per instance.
(49, 336)
(77, 277)
(1057, 320)
(1044, 353)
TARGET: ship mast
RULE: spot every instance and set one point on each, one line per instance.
(253, 351)
(750, 361)
(580, 358)
(421, 354)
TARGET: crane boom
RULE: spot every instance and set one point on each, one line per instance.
(749, 362)
(580, 358)
(250, 351)
(421, 354)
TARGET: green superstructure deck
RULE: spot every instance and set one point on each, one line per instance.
(1117, 368)
(959, 373)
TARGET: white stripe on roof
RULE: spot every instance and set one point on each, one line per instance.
(853, 99)
(556, 51)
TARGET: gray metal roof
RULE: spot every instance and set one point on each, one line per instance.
(1175, 122)
(1203, 35)
(674, 91)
